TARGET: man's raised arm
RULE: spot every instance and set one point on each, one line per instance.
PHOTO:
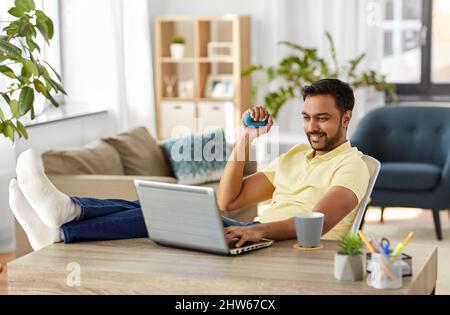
(234, 191)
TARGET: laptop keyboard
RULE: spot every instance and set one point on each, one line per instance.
(232, 243)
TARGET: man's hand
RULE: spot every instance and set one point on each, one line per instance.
(257, 113)
(252, 233)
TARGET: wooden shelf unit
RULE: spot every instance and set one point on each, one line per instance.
(197, 66)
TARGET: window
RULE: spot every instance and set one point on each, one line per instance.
(402, 51)
(52, 53)
(440, 67)
(416, 48)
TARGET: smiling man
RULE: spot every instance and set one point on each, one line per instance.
(327, 176)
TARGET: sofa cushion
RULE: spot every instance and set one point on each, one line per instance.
(95, 158)
(140, 153)
(198, 158)
(408, 176)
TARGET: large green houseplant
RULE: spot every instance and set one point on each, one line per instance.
(25, 71)
(305, 66)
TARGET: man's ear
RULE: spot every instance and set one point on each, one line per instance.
(346, 118)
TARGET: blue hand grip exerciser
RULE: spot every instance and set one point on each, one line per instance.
(255, 124)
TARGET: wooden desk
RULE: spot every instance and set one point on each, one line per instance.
(140, 266)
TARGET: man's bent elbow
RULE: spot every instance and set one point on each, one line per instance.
(222, 206)
(226, 206)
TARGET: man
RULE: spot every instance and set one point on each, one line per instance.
(329, 177)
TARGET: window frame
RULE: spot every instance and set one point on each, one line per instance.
(425, 88)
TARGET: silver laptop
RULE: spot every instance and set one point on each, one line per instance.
(187, 217)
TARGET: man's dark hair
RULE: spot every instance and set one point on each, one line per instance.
(341, 91)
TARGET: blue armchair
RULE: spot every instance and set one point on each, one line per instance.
(413, 146)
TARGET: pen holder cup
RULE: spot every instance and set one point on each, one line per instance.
(386, 272)
(406, 264)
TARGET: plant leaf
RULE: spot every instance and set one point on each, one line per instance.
(42, 17)
(17, 12)
(40, 87)
(43, 28)
(22, 129)
(291, 45)
(2, 116)
(54, 71)
(9, 49)
(57, 86)
(14, 106)
(9, 130)
(7, 71)
(248, 71)
(25, 5)
(32, 45)
(25, 27)
(3, 57)
(6, 97)
(52, 100)
(23, 80)
(354, 64)
(50, 28)
(26, 100)
(30, 68)
(333, 52)
(43, 71)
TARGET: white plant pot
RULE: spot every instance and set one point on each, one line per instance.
(348, 268)
(177, 51)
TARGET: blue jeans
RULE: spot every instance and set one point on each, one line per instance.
(112, 219)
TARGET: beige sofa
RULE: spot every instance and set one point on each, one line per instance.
(108, 167)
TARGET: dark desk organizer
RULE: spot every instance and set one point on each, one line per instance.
(407, 272)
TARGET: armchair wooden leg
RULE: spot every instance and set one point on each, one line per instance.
(382, 214)
(437, 223)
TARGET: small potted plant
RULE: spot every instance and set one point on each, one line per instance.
(177, 47)
(348, 261)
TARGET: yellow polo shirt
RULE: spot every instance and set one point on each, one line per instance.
(301, 180)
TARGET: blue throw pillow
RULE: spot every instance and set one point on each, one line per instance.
(198, 158)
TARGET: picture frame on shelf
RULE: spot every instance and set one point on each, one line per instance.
(220, 49)
(219, 86)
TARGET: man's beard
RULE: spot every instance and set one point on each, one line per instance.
(329, 144)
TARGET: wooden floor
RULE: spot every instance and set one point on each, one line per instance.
(4, 258)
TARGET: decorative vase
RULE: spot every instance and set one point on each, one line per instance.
(348, 268)
(177, 50)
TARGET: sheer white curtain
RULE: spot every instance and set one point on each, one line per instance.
(133, 42)
(107, 59)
